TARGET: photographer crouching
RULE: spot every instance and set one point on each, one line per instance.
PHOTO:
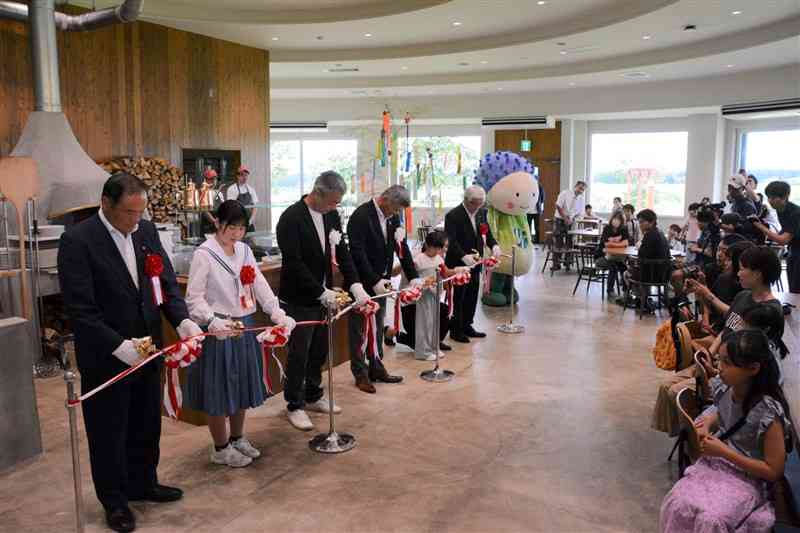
(789, 216)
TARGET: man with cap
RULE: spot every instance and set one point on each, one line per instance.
(245, 194)
(742, 205)
(209, 221)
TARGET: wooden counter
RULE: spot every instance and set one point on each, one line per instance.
(272, 272)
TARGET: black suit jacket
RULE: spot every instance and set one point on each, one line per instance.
(373, 254)
(305, 264)
(103, 304)
(463, 239)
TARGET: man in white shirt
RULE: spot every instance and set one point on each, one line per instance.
(245, 194)
(569, 206)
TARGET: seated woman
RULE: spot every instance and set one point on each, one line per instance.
(614, 238)
(744, 438)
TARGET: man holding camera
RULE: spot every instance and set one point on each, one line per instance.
(789, 216)
(742, 205)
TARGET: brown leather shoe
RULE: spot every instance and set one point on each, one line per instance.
(364, 384)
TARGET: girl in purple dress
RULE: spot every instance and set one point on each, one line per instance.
(744, 439)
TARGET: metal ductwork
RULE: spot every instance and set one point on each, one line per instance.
(71, 180)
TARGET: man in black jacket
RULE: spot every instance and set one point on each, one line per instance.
(306, 232)
(375, 236)
(110, 301)
(463, 225)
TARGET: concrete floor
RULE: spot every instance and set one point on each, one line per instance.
(545, 431)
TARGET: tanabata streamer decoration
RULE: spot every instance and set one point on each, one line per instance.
(369, 336)
(334, 237)
(407, 166)
(405, 297)
(181, 355)
(247, 276)
(153, 268)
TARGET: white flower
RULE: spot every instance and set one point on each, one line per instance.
(399, 235)
(335, 237)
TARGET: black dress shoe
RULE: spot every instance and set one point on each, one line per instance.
(387, 378)
(470, 332)
(445, 347)
(159, 494)
(120, 519)
(387, 340)
(459, 337)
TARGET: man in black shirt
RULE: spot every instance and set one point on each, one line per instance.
(789, 216)
(654, 246)
(706, 248)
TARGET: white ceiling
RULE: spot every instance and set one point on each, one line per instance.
(512, 45)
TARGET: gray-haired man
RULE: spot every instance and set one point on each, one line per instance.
(375, 236)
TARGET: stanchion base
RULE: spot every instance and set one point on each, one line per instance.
(332, 442)
(438, 375)
(510, 328)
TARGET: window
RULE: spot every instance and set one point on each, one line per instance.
(647, 170)
(444, 184)
(296, 163)
(773, 156)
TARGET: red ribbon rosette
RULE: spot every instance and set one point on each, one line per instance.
(153, 268)
(247, 276)
(272, 338)
(369, 336)
(488, 265)
(405, 297)
(484, 230)
(180, 355)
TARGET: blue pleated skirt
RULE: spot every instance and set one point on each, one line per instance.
(228, 375)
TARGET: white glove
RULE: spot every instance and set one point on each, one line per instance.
(328, 298)
(469, 259)
(462, 269)
(496, 251)
(218, 325)
(359, 293)
(416, 282)
(288, 323)
(382, 287)
(126, 352)
(399, 235)
(187, 329)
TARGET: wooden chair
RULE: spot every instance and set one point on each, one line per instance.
(567, 252)
(653, 274)
(689, 449)
(589, 271)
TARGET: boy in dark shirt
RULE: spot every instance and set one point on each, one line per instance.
(654, 246)
(789, 216)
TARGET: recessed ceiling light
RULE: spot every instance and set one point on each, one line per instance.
(367, 35)
(404, 67)
(541, 2)
(320, 37)
(463, 64)
(484, 62)
(647, 37)
(499, 88)
(572, 84)
(456, 23)
(275, 38)
(563, 52)
(731, 66)
(736, 12)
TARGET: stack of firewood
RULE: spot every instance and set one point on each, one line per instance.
(164, 180)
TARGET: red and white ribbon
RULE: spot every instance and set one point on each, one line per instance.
(489, 265)
(153, 268)
(405, 297)
(334, 237)
(399, 237)
(484, 229)
(179, 355)
(460, 278)
(247, 277)
(369, 336)
(271, 338)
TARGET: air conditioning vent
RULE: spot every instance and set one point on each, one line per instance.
(637, 75)
(298, 126)
(768, 106)
(343, 69)
(541, 121)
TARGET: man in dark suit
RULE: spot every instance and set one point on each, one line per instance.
(465, 248)
(304, 237)
(375, 235)
(110, 301)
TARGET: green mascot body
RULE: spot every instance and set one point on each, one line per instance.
(511, 191)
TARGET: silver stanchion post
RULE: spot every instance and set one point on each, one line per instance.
(437, 374)
(510, 327)
(69, 378)
(331, 442)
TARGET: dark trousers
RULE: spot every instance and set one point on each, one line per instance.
(465, 301)
(409, 313)
(561, 240)
(793, 274)
(534, 218)
(123, 428)
(360, 364)
(308, 351)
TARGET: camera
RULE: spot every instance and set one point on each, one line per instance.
(690, 272)
(719, 206)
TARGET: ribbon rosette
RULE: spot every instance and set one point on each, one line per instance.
(488, 265)
(180, 355)
(484, 230)
(405, 297)
(153, 268)
(369, 336)
(334, 237)
(270, 339)
(399, 236)
(247, 276)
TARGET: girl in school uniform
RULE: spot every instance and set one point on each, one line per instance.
(224, 285)
(744, 438)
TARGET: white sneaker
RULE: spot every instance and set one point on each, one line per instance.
(429, 357)
(244, 447)
(300, 420)
(229, 456)
(323, 406)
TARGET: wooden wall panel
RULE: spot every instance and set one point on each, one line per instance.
(146, 90)
(545, 154)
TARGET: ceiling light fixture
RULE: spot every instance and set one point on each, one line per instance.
(457, 24)
(731, 66)
(541, 2)
(484, 62)
(736, 12)
(463, 64)
(647, 37)
(499, 88)
(404, 68)
(563, 52)
(275, 38)
(572, 84)
(367, 35)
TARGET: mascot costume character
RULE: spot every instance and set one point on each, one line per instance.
(511, 190)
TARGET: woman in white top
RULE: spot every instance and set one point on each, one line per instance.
(228, 378)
